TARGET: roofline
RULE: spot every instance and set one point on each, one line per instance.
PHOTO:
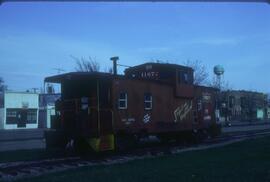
(50, 94)
(166, 64)
(60, 77)
(207, 87)
(246, 91)
(110, 76)
(19, 92)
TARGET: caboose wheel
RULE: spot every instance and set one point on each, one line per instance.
(125, 142)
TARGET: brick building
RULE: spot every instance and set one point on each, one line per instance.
(243, 105)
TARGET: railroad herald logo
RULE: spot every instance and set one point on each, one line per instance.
(181, 112)
(146, 118)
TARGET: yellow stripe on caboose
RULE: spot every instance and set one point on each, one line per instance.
(102, 143)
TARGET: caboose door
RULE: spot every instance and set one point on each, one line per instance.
(105, 115)
(105, 108)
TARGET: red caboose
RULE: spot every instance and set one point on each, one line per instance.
(105, 109)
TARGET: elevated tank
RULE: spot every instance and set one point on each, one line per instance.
(218, 70)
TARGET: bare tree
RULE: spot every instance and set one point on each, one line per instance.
(224, 85)
(108, 70)
(200, 73)
(86, 65)
(3, 87)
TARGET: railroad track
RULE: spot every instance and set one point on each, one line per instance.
(17, 170)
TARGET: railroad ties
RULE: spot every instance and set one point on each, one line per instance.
(18, 170)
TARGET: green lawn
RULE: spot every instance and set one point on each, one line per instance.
(244, 161)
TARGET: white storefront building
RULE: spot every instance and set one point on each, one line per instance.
(18, 110)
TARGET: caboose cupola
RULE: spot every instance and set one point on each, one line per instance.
(181, 77)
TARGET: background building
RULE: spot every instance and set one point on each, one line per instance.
(18, 110)
(47, 109)
(268, 106)
(244, 105)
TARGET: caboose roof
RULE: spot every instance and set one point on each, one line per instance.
(161, 65)
(78, 76)
(102, 75)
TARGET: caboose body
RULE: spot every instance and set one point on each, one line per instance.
(103, 109)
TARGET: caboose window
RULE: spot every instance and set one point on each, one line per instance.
(122, 101)
(147, 101)
(183, 77)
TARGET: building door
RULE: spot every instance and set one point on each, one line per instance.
(22, 118)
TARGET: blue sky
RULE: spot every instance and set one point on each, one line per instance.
(35, 38)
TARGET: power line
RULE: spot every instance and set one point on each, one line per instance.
(59, 70)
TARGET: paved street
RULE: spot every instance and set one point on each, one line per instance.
(21, 139)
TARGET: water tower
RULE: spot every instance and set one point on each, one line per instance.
(219, 71)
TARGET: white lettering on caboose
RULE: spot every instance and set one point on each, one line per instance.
(181, 112)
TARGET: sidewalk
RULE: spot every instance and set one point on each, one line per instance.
(246, 126)
(241, 123)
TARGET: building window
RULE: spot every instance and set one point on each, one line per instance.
(11, 113)
(243, 102)
(199, 105)
(32, 116)
(11, 116)
(231, 101)
(14, 116)
(148, 101)
(122, 101)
